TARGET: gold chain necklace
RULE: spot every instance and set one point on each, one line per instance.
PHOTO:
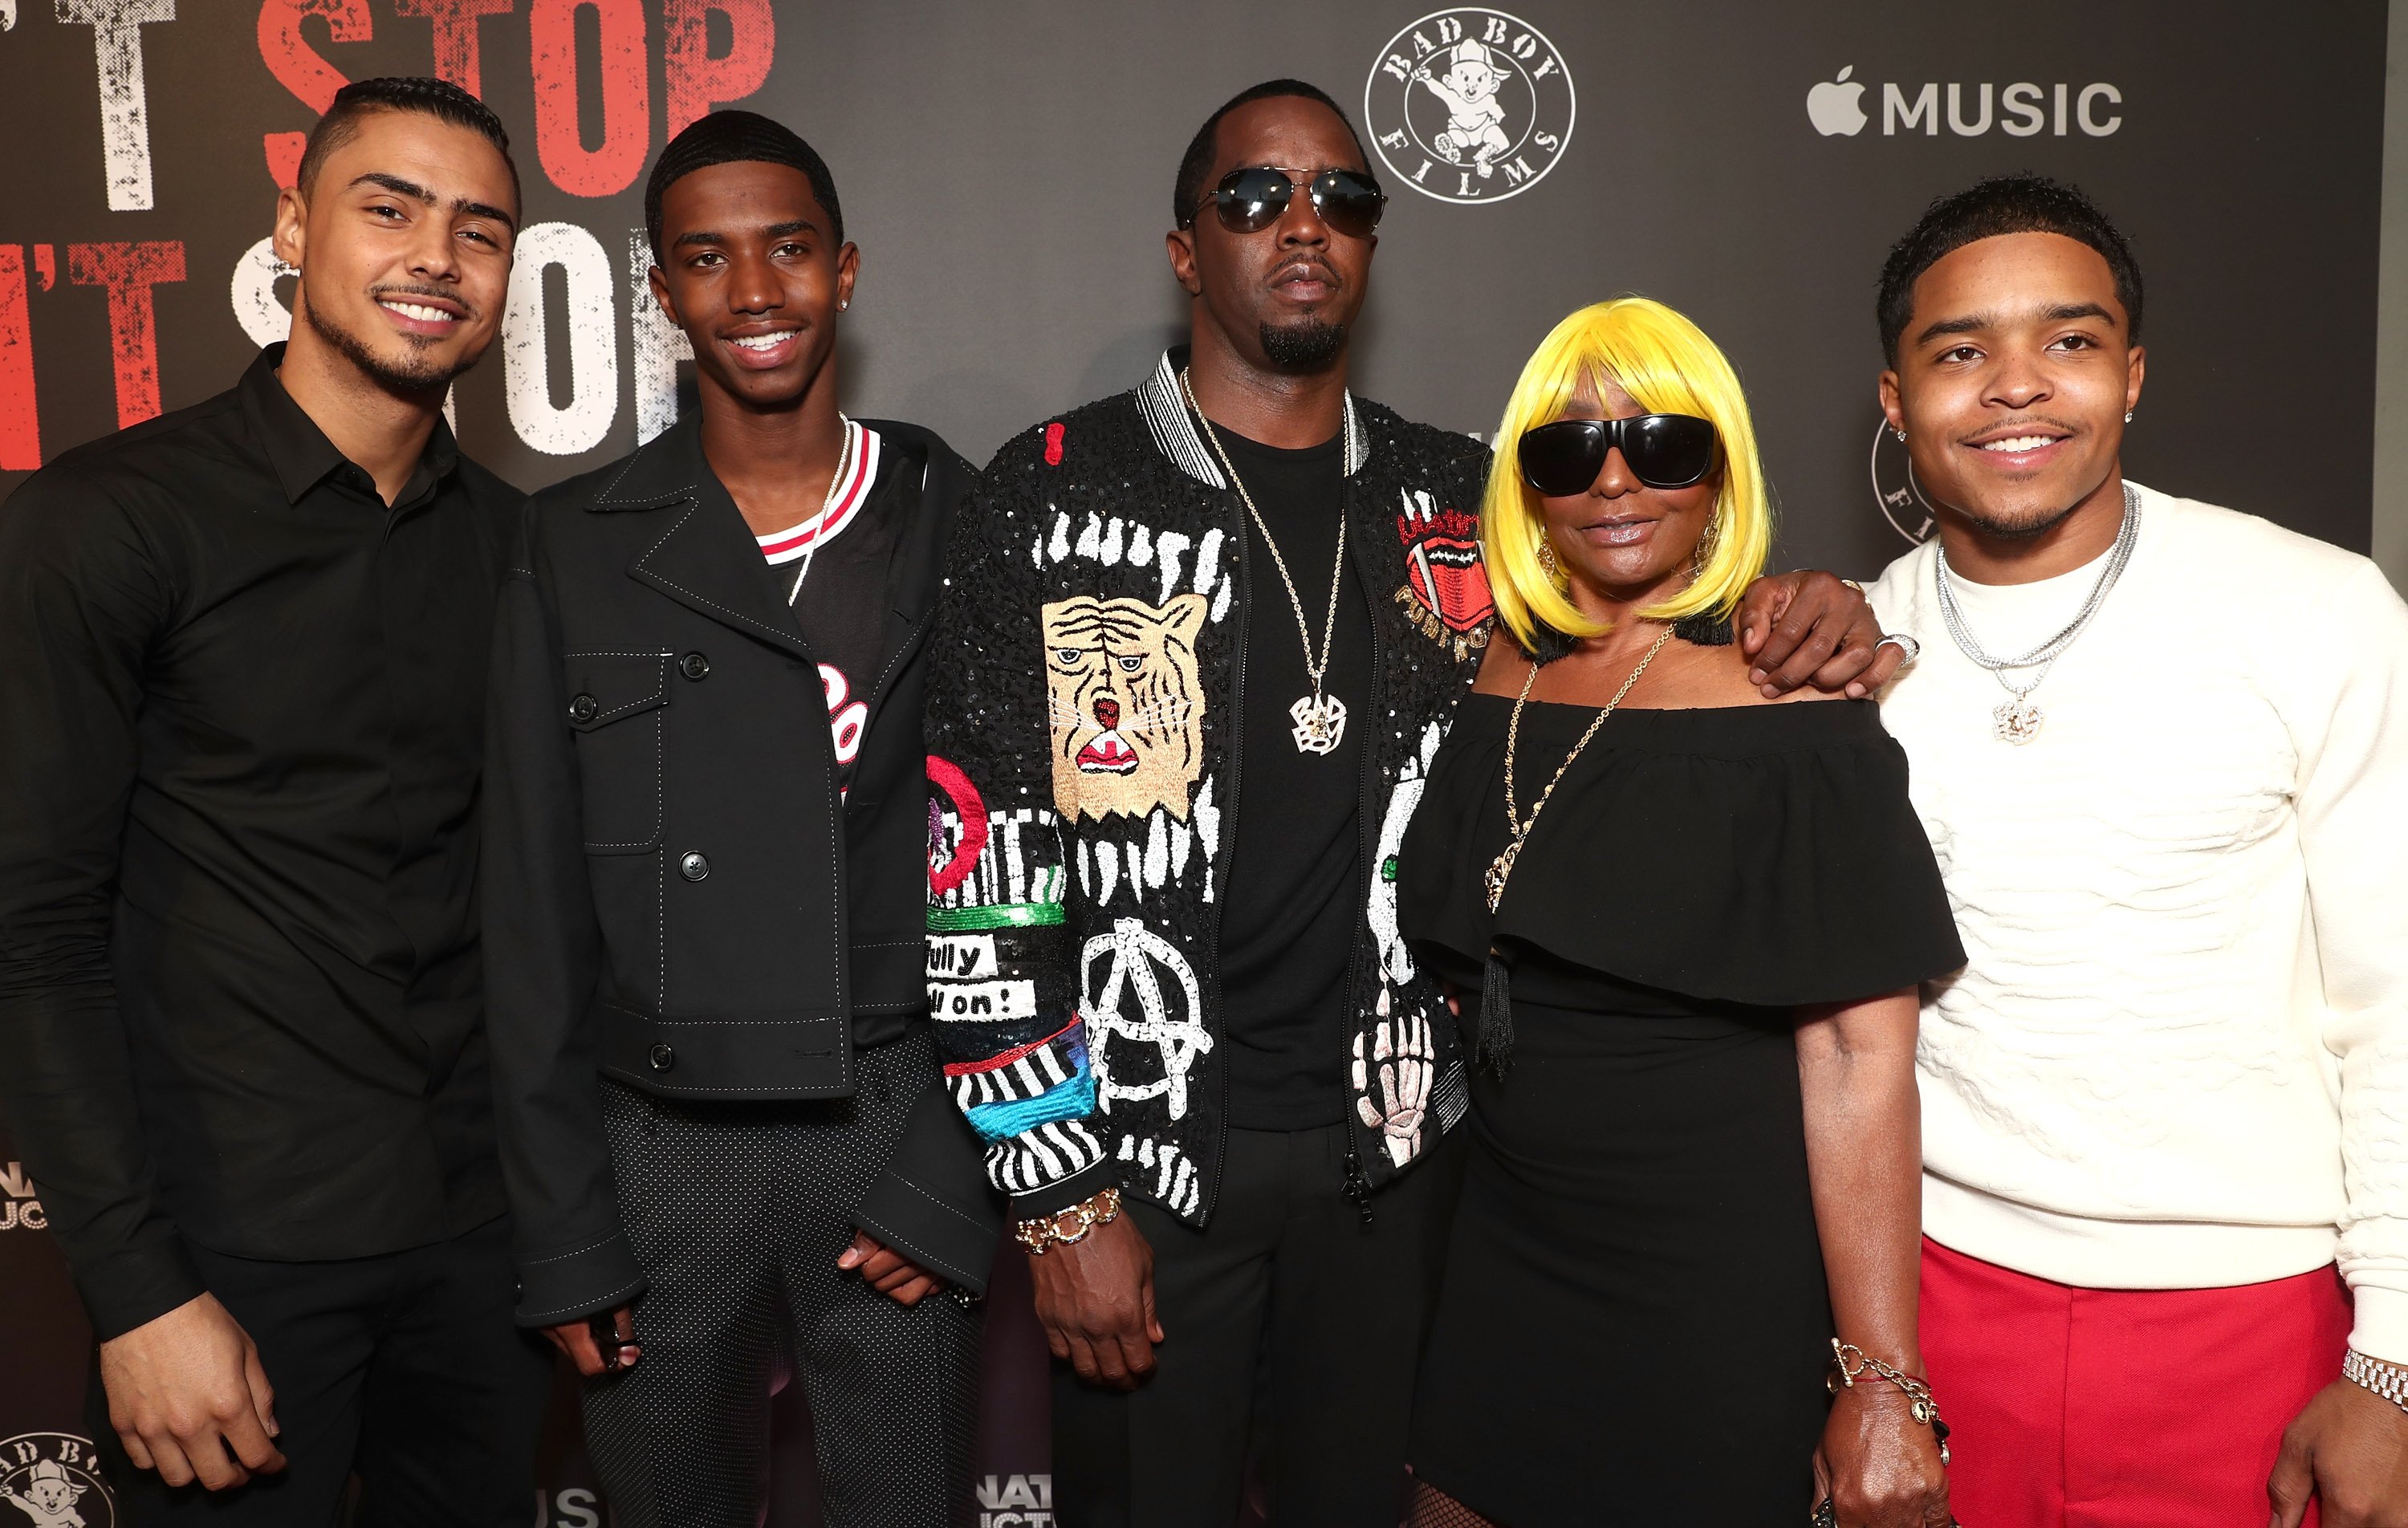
(1320, 718)
(1502, 866)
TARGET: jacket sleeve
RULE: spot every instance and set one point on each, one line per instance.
(932, 1203)
(543, 959)
(82, 598)
(1001, 961)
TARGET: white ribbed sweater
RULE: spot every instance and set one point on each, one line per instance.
(2178, 1054)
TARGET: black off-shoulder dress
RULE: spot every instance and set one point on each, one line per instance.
(1634, 1326)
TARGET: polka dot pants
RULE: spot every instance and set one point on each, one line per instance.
(738, 1212)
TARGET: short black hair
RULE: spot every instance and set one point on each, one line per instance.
(437, 98)
(731, 137)
(1198, 162)
(2022, 203)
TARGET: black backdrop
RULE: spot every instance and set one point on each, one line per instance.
(1006, 168)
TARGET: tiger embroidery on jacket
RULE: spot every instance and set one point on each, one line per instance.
(1123, 705)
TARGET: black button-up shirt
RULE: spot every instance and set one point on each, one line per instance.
(241, 705)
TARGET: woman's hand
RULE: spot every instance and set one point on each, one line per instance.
(1881, 1467)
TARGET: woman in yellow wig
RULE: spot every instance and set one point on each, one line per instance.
(1695, 920)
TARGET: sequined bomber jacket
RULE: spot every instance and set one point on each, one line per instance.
(1083, 736)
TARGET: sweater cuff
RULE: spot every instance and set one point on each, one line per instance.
(1062, 1193)
(2381, 1329)
(597, 1275)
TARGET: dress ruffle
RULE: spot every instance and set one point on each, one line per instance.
(1758, 854)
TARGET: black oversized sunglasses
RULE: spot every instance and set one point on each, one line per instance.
(1664, 450)
(1252, 199)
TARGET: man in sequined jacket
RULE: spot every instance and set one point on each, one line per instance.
(1198, 644)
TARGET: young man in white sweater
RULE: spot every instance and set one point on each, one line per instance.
(2161, 750)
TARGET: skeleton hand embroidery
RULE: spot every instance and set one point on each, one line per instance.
(1406, 1066)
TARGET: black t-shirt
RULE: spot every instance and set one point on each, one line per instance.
(1294, 895)
(841, 603)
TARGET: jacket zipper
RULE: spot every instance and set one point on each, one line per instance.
(1240, 606)
(1358, 1183)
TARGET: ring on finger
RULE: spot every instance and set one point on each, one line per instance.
(1909, 646)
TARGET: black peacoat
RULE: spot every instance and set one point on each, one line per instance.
(675, 897)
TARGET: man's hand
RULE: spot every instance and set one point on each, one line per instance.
(576, 1339)
(888, 1271)
(2349, 1449)
(1094, 1298)
(188, 1397)
(1809, 627)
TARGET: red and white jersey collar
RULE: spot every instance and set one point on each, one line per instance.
(851, 492)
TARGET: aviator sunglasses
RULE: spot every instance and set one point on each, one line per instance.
(1664, 450)
(1252, 199)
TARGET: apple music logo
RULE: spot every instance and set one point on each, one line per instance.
(1837, 109)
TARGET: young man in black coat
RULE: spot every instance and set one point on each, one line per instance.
(722, 1127)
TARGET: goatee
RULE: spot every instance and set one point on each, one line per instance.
(414, 373)
(2017, 530)
(1304, 347)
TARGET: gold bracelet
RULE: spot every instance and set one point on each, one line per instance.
(1066, 1226)
(1850, 1362)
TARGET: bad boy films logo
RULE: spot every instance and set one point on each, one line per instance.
(1896, 493)
(1470, 106)
(53, 1479)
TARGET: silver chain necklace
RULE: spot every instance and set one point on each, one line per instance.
(1320, 718)
(2018, 720)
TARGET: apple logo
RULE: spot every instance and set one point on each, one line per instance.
(1833, 107)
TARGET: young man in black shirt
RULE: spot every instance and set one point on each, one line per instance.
(242, 657)
(1201, 644)
(705, 881)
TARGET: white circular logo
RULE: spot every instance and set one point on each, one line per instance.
(1471, 105)
(54, 1479)
(1895, 494)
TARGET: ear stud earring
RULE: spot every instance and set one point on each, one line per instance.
(1902, 435)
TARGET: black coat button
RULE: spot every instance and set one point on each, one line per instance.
(662, 1058)
(692, 867)
(694, 665)
(584, 708)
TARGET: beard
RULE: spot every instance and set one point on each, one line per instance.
(2018, 530)
(1303, 347)
(415, 372)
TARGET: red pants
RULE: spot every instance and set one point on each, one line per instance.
(2121, 1408)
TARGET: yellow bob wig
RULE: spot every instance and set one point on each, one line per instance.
(1668, 366)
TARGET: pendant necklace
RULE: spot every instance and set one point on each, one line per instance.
(1502, 866)
(2018, 720)
(1319, 718)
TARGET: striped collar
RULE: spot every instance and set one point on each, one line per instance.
(845, 500)
(1164, 404)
